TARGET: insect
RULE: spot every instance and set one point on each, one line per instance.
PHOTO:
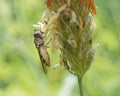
(63, 61)
(43, 54)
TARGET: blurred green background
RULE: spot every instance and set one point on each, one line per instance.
(20, 68)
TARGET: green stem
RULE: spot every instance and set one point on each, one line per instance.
(80, 86)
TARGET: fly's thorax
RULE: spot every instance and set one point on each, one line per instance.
(39, 42)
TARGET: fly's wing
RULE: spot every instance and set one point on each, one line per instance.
(42, 61)
(45, 56)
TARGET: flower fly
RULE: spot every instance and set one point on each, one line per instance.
(43, 54)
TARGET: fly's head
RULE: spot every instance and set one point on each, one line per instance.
(38, 39)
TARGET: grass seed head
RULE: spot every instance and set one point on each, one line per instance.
(70, 29)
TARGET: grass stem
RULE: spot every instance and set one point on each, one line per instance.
(80, 86)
